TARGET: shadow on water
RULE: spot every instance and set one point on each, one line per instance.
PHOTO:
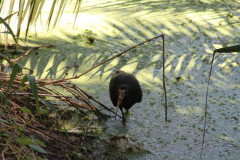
(193, 30)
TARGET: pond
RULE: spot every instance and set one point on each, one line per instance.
(193, 29)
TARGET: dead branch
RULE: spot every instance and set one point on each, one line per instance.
(24, 55)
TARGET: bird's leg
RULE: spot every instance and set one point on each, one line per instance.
(123, 117)
(116, 112)
(127, 113)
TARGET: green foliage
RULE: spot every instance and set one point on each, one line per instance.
(24, 80)
(49, 105)
(31, 10)
(26, 110)
(34, 89)
(77, 156)
(40, 143)
(42, 111)
(33, 143)
(23, 106)
(3, 121)
(25, 141)
(15, 70)
(7, 59)
(37, 148)
(8, 27)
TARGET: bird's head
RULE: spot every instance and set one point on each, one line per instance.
(122, 91)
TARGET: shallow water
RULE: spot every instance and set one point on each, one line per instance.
(193, 30)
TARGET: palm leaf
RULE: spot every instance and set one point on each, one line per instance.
(10, 9)
(32, 10)
(60, 11)
(40, 6)
(51, 13)
(20, 16)
(32, 6)
(77, 9)
(15, 70)
(8, 27)
(34, 90)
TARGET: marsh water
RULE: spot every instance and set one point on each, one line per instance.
(193, 30)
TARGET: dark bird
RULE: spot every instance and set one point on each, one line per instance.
(125, 91)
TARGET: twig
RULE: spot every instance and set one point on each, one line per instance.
(24, 55)
(95, 100)
(76, 93)
(17, 46)
(69, 68)
(85, 131)
(235, 48)
(206, 107)
(164, 84)
(41, 94)
(43, 133)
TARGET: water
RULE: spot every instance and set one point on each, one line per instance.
(193, 30)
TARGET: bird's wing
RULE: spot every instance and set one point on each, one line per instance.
(135, 90)
(113, 91)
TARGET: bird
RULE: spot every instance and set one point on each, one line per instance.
(125, 91)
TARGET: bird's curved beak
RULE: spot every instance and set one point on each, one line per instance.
(121, 95)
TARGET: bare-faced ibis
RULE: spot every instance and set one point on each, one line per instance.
(125, 91)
